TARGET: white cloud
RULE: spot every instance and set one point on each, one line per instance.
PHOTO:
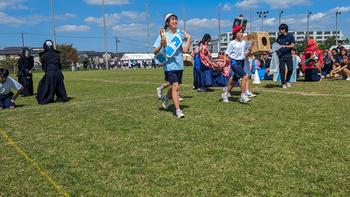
(318, 21)
(245, 4)
(133, 15)
(204, 23)
(227, 7)
(65, 16)
(6, 19)
(73, 28)
(132, 30)
(107, 2)
(274, 4)
(341, 9)
(270, 21)
(12, 4)
(112, 19)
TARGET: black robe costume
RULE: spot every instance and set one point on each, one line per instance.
(52, 82)
(25, 77)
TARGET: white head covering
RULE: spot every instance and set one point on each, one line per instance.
(48, 43)
(167, 16)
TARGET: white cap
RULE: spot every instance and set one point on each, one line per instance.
(168, 15)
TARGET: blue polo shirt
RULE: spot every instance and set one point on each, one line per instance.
(286, 40)
(175, 62)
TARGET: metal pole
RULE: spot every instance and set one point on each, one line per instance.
(105, 34)
(262, 15)
(337, 13)
(116, 43)
(219, 28)
(336, 28)
(280, 17)
(307, 24)
(184, 20)
(148, 33)
(250, 20)
(53, 23)
(22, 40)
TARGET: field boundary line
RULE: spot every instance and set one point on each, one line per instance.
(123, 82)
(186, 85)
(304, 93)
(34, 164)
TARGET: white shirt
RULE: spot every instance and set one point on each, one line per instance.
(236, 49)
(10, 83)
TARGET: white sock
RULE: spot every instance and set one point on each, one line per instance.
(242, 95)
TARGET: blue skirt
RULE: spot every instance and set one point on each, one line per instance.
(206, 76)
(197, 73)
(219, 80)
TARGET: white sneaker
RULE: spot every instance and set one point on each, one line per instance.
(165, 102)
(244, 99)
(347, 79)
(284, 86)
(224, 97)
(179, 114)
(159, 92)
(225, 90)
(180, 98)
(250, 94)
(289, 85)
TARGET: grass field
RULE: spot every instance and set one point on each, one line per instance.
(113, 139)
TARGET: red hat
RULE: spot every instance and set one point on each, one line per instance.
(237, 28)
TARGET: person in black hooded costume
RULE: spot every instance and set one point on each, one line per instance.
(25, 68)
(52, 82)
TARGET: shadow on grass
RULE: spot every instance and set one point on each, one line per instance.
(187, 97)
(171, 108)
(60, 101)
(272, 86)
(19, 106)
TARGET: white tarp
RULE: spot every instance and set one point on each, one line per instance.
(137, 56)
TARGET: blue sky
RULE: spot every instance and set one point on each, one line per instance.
(79, 22)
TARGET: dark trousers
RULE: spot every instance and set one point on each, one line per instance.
(5, 101)
(289, 62)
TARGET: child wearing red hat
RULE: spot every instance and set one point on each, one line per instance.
(237, 51)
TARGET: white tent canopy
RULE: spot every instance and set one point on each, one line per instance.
(137, 56)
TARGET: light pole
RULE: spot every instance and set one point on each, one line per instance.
(105, 34)
(280, 16)
(53, 23)
(219, 27)
(148, 33)
(308, 22)
(262, 15)
(337, 13)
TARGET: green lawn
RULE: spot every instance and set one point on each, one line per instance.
(113, 139)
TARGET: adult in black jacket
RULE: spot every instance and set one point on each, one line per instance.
(25, 68)
(52, 82)
(287, 42)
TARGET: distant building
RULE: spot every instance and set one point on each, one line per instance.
(319, 36)
(221, 44)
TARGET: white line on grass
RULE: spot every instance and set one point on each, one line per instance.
(42, 172)
(185, 85)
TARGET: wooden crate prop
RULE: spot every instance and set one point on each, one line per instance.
(261, 39)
